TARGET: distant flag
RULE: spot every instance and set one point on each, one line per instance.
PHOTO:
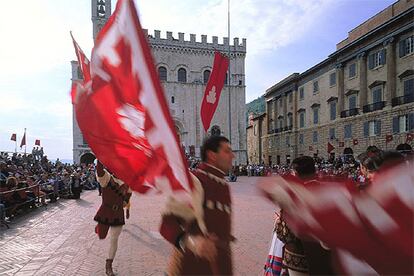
(410, 137)
(388, 138)
(355, 142)
(330, 147)
(37, 142)
(84, 65)
(13, 137)
(23, 142)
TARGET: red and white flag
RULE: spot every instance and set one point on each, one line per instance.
(124, 116)
(375, 226)
(37, 142)
(213, 89)
(23, 142)
(84, 65)
(13, 137)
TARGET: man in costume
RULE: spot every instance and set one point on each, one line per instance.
(110, 216)
(202, 246)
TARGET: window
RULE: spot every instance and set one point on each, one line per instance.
(302, 120)
(332, 135)
(290, 97)
(281, 102)
(182, 75)
(301, 93)
(288, 140)
(348, 131)
(84, 141)
(80, 75)
(315, 87)
(409, 87)
(332, 79)
(372, 128)
(315, 137)
(172, 99)
(352, 70)
(254, 130)
(162, 73)
(316, 115)
(301, 139)
(226, 81)
(215, 131)
(377, 94)
(403, 123)
(280, 122)
(332, 108)
(290, 119)
(352, 101)
(406, 46)
(206, 76)
(376, 59)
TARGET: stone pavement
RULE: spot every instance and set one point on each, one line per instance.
(61, 239)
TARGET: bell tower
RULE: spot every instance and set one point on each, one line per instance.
(101, 11)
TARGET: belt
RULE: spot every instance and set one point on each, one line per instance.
(114, 207)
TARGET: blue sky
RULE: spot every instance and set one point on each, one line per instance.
(283, 36)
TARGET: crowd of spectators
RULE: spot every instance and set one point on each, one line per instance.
(29, 181)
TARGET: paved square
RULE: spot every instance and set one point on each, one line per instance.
(61, 239)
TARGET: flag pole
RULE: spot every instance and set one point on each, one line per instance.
(25, 142)
(229, 71)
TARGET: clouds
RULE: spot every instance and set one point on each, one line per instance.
(267, 24)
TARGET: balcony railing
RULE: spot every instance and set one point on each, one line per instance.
(349, 112)
(402, 100)
(287, 128)
(373, 107)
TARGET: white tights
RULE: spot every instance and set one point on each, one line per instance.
(114, 232)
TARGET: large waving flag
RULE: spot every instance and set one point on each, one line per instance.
(376, 226)
(124, 116)
(213, 89)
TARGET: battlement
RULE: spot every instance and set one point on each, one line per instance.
(170, 40)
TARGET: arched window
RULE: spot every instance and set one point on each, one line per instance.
(162, 73)
(182, 75)
(226, 81)
(206, 76)
(215, 131)
(172, 99)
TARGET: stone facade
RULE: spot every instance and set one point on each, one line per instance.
(184, 68)
(255, 131)
(357, 93)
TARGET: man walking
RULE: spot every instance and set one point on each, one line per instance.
(203, 248)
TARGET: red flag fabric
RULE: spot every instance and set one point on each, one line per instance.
(341, 144)
(330, 147)
(355, 142)
(84, 65)
(37, 142)
(375, 226)
(23, 142)
(124, 117)
(213, 89)
(388, 138)
(13, 137)
(410, 137)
